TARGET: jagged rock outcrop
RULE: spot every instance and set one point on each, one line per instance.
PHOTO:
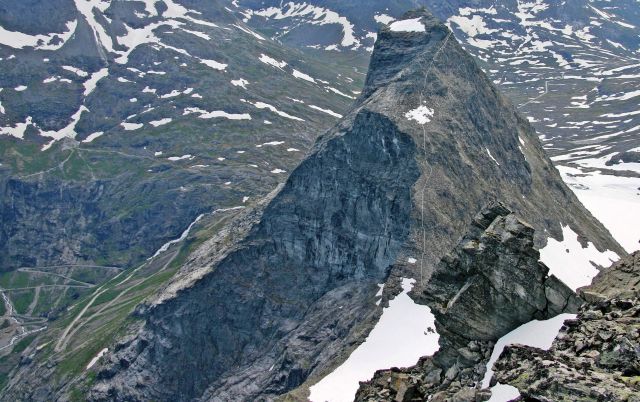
(596, 357)
(621, 281)
(491, 283)
(390, 189)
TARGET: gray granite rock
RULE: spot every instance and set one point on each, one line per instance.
(491, 283)
(595, 357)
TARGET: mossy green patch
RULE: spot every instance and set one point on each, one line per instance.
(23, 344)
(21, 299)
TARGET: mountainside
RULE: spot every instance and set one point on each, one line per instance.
(571, 67)
(105, 73)
(122, 121)
(260, 308)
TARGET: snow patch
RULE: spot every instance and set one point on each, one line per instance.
(421, 114)
(471, 26)
(336, 91)
(491, 156)
(216, 113)
(92, 82)
(240, 83)
(538, 334)
(270, 144)
(403, 319)
(303, 76)
(52, 41)
(409, 25)
(183, 236)
(570, 262)
(272, 62)
(180, 158)
(76, 71)
(383, 18)
(67, 132)
(93, 136)
(327, 111)
(250, 32)
(19, 129)
(318, 15)
(96, 358)
(161, 122)
(214, 64)
(131, 126)
(262, 105)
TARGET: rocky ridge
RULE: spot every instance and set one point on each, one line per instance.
(494, 266)
(596, 357)
(571, 68)
(386, 191)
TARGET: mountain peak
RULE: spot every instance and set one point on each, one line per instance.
(417, 36)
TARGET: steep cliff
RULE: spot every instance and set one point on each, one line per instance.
(391, 188)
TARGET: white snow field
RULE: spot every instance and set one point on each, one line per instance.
(571, 263)
(410, 25)
(614, 200)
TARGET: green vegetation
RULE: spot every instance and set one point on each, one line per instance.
(22, 299)
(15, 279)
(4, 377)
(23, 343)
(114, 319)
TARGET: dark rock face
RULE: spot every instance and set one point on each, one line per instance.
(87, 222)
(495, 266)
(490, 284)
(596, 356)
(350, 227)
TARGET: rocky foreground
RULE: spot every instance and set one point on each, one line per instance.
(489, 284)
(595, 357)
